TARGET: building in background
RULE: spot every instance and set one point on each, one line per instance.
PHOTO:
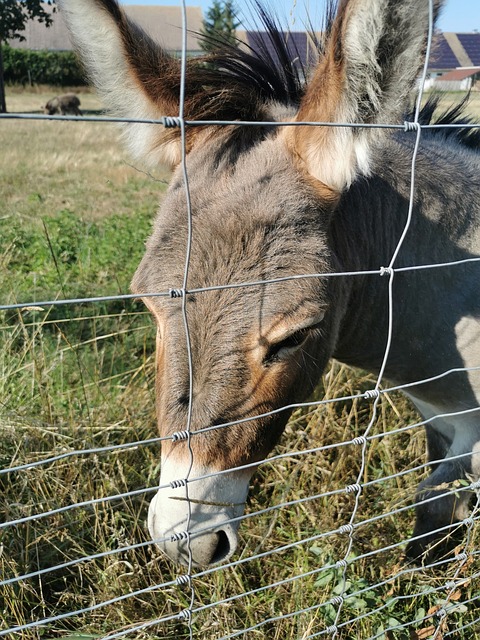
(300, 45)
(163, 24)
(465, 79)
(455, 62)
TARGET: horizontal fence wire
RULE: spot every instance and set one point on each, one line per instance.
(348, 489)
(167, 122)
(38, 306)
(368, 395)
(183, 589)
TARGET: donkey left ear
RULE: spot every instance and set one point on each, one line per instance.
(373, 56)
(136, 78)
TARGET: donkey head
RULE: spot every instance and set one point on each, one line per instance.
(261, 201)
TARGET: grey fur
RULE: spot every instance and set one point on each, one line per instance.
(268, 204)
(264, 223)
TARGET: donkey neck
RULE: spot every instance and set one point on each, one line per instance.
(366, 229)
(364, 235)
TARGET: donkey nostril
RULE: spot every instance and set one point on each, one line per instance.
(223, 547)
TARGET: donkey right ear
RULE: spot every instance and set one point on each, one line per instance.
(134, 76)
(373, 55)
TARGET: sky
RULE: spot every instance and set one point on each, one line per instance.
(458, 15)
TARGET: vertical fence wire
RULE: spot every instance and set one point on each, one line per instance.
(188, 611)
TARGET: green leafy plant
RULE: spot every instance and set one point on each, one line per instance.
(13, 19)
(58, 68)
(220, 25)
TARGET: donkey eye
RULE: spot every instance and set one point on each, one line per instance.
(278, 349)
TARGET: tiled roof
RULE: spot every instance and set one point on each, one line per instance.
(442, 56)
(458, 74)
(299, 45)
(471, 43)
(448, 52)
(164, 24)
(452, 50)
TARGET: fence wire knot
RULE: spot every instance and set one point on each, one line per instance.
(180, 435)
(184, 580)
(371, 394)
(353, 488)
(332, 629)
(360, 440)
(451, 584)
(177, 484)
(341, 564)
(170, 122)
(346, 528)
(177, 293)
(462, 557)
(441, 613)
(186, 614)
(386, 271)
(411, 126)
(475, 485)
(337, 600)
(469, 522)
(178, 537)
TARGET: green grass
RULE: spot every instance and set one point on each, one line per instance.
(72, 224)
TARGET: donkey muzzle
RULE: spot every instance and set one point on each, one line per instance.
(197, 520)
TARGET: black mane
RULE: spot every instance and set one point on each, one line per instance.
(242, 79)
(454, 115)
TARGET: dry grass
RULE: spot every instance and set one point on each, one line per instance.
(32, 100)
(83, 377)
(451, 98)
(48, 166)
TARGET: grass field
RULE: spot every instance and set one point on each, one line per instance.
(74, 215)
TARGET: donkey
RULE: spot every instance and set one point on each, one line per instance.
(269, 202)
(68, 103)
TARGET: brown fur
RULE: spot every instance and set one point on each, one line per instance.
(66, 104)
(269, 203)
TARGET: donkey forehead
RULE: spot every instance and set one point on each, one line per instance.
(257, 174)
(249, 221)
(229, 252)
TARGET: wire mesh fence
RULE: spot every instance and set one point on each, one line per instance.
(329, 513)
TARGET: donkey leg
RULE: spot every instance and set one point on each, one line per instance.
(438, 445)
(437, 512)
(441, 502)
(440, 509)
(453, 443)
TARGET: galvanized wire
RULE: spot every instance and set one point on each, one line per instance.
(167, 294)
(165, 121)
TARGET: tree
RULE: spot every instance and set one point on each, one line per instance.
(219, 25)
(14, 15)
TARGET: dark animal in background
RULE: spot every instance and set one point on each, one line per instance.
(65, 105)
(271, 202)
